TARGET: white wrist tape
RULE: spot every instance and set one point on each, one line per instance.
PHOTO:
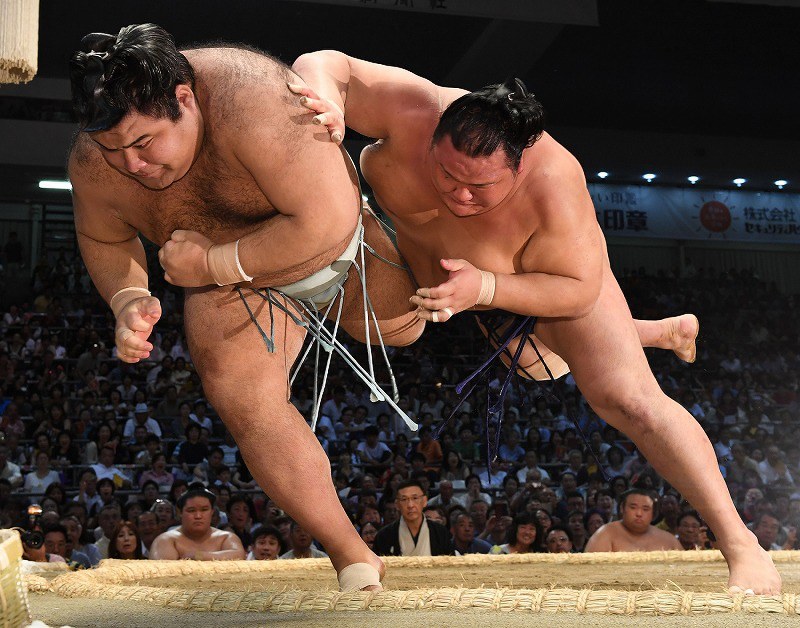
(125, 296)
(224, 264)
(488, 284)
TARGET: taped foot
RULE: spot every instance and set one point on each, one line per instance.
(359, 577)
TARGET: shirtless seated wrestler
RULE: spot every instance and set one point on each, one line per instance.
(633, 532)
(490, 209)
(208, 147)
(196, 539)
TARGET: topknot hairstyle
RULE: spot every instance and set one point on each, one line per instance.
(503, 116)
(137, 69)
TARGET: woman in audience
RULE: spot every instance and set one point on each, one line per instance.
(158, 473)
(37, 481)
(523, 536)
(454, 467)
(125, 542)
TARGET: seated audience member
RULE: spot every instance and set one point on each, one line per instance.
(374, 454)
(669, 509)
(766, 527)
(368, 532)
(158, 473)
(87, 492)
(125, 542)
(558, 540)
(453, 467)
(190, 452)
(43, 476)
(57, 543)
(495, 532)
(107, 490)
(475, 491)
(268, 544)
(105, 468)
(148, 529)
(593, 520)
(633, 532)
(431, 449)
(195, 538)
(689, 530)
(302, 544)
(479, 511)
(241, 514)
(435, 513)
(165, 511)
(412, 534)
(532, 469)
(464, 539)
(577, 529)
(107, 520)
(74, 530)
(8, 470)
(446, 497)
(523, 536)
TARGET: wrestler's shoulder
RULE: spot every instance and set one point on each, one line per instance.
(85, 164)
(229, 69)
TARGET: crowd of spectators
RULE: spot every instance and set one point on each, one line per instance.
(107, 449)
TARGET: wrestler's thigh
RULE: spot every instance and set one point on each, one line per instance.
(603, 350)
(230, 355)
(530, 363)
(389, 289)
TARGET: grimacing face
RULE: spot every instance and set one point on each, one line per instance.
(469, 186)
(155, 152)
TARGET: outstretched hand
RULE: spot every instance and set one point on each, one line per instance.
(329, 114)
(184, 258)
(460, 292)
(134, 325)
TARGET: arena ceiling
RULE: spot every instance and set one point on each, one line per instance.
(687, 68)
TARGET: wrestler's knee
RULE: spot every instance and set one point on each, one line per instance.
(634, 410)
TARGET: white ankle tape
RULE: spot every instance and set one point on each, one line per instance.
(488, 283)
(224, 264)
(125, 296)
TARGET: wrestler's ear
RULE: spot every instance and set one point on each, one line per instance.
(185, 96)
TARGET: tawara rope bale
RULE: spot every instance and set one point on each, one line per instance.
(19, 40)
(126, 580)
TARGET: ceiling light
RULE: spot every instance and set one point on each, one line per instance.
(780, 183)
(738, 182)
(47, 184)
(693, 179)
(602, 174)
(649, 177)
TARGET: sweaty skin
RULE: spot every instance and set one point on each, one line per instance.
(241, 162)
(535, 228)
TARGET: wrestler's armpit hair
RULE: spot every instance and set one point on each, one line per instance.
(503, 116)
(138, 69)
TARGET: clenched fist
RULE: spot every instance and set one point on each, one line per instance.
(184, 258)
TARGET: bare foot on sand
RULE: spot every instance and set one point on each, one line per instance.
(752, 571)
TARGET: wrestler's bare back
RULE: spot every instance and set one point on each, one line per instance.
(218, 197)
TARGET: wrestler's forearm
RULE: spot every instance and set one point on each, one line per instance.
(288, 248)
(542, 294)
(233, 554)
(114, 266)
